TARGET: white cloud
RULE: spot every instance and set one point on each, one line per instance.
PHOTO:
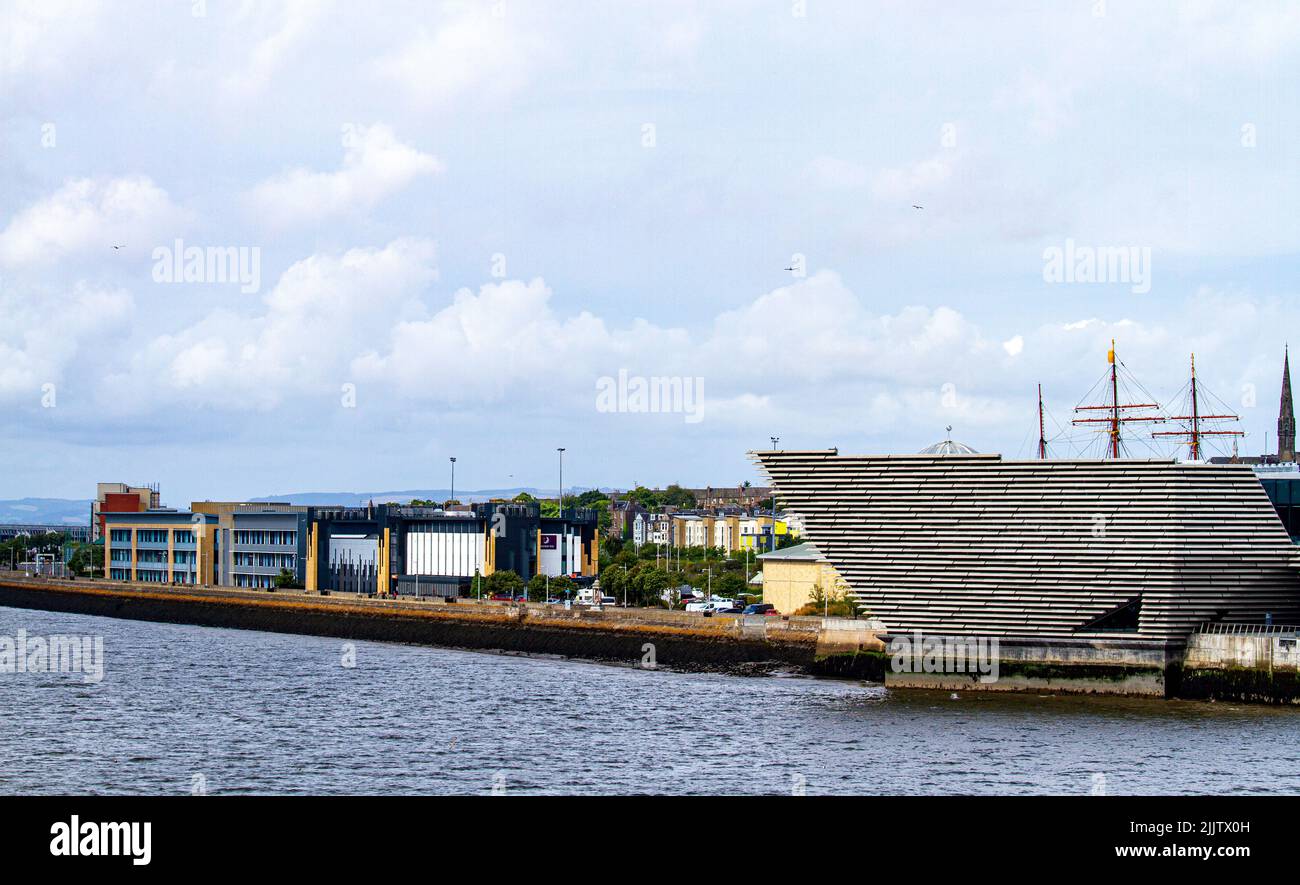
(914, 181)
(473, 53)
(45, 37)
(375, 166)
(90, 215)
(1014, 346)
(44, 334)
(289, 24)
(833, 173)
(322, 312)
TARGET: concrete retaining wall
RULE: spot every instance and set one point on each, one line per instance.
(1262, 669)
(506, 628)
(1242, 667)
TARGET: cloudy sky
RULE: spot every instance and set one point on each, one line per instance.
(464, 215)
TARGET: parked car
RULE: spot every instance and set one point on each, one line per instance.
(760, 608)
(501, 597)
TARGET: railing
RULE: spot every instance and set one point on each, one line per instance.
(1222, 629)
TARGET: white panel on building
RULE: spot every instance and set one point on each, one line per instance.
(354, 549)
(550, 563)
(457, 554)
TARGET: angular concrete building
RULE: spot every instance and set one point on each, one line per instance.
(969, 544)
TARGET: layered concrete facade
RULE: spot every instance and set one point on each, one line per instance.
(1084, 550)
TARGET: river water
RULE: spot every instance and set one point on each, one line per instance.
(183, 709)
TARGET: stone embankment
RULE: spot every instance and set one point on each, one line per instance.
(639, 637)
(1226, 662)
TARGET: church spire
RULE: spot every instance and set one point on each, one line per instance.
(1286, 415)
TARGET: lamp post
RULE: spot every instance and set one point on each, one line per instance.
(453, 482)
(775, 440)
(561, 498)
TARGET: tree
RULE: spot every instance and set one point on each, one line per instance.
(287, 580)
(540, 588)
(562, 586)
(503, 583)
(677, 496)
(592, 498)
(647, 498)
(648, 585)
(614, 581)
(524, 498)
(729, 585)
(837, 603)
(87, 559)
(537, 588)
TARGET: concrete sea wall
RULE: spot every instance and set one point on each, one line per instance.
(1248, 667)
(686, 642)
(1113, 666)
(1255, 669)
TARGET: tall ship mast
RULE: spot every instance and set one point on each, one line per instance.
(1113, 412)
(1193, 432)
(1042, 436)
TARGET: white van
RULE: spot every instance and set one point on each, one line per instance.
(709, 605)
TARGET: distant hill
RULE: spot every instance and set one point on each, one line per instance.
(69, 511)
(360, 499)
(46, 511)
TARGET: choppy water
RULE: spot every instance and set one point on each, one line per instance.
(247, 712)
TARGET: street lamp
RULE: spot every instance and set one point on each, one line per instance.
(453, 482)
(775, 440)
(561, 498)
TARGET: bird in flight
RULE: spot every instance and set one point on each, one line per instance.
(123, 246)
(914, 206)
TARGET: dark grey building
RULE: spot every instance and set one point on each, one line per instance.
(970, 544)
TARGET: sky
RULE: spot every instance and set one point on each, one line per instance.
(461, 223)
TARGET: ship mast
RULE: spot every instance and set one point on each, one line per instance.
(1042, 441)
(1194, 432)
(1118, 416)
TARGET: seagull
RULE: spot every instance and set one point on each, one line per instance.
(123, 246)
(953, 696)
(914, 206)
